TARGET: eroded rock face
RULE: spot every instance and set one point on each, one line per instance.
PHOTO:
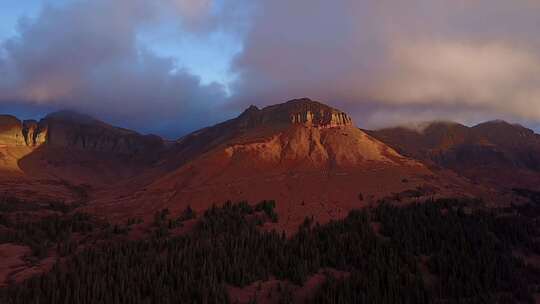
(264, 122)
(11, 131)
(299, 111)
(298, 133)
(71, 130)
(14, 132)
(34, 133)
(98, 137)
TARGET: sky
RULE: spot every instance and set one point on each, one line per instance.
(172, 66)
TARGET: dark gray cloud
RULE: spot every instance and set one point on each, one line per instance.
(85, 56)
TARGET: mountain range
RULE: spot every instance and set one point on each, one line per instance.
(309, 157)
(498, 153)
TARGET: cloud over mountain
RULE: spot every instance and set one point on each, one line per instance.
(86, 56)
(382, 61)
(369, 56)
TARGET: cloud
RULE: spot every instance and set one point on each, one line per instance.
(194, 13)
(386, 59)
(203, 16)
(86, 56)
(491, 76)
(383, 61)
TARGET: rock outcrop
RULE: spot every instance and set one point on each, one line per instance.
(11, 131)
(34, 133)
(75, 131)
(298, 111)
(72, 130)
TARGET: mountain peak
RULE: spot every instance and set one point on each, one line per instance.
(499, 123)
(302, 111)
(305, 104)
(9, 120)
(72, 116)
(426, 126)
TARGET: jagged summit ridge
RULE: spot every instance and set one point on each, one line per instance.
(72, 130)
(297, 111)
(16, 132)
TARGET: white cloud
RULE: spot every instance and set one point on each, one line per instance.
(492, 76)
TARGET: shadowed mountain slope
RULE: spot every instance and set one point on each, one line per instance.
(67, 148)
(496, 152)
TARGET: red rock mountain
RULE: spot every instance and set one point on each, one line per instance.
(66, 149)
(307, 156)
(496, 152)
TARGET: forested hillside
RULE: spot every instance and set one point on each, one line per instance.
(445, 251)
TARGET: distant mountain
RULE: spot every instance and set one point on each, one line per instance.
(73, 130)
(67, 148)
(497, 152)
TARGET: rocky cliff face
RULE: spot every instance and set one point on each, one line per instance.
(299, 133)
(10, 131)
(75, 131)
(70, 130)
(299, 111)
(34, 133)
(264, 123)
(14, 132)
